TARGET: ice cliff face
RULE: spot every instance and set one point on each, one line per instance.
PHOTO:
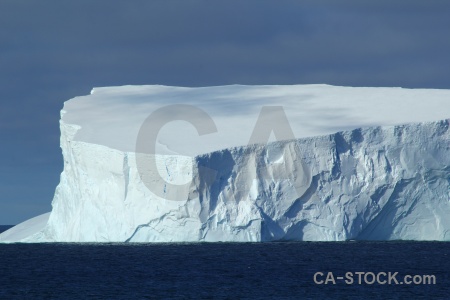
(390, 182)
(370, 183)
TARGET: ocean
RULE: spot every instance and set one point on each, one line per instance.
(275, 270)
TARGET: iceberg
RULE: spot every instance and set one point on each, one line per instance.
(24, 229)
(250, 163)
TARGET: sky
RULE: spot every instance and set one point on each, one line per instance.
(51, 51)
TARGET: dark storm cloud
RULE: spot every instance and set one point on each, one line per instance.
(51, 51)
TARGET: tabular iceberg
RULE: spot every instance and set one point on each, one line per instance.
(365, 163)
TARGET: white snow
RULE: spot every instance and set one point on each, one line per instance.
(389, 182)
(24, 229)
(112, 116)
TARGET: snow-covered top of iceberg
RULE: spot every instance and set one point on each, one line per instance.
(113, 116)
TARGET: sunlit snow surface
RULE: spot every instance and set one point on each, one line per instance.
(112, 116)
(25, 229)
(339, 177)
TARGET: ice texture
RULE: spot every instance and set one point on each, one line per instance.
(388, 177)
(24, 229)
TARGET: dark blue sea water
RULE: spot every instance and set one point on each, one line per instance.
(283, 270)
